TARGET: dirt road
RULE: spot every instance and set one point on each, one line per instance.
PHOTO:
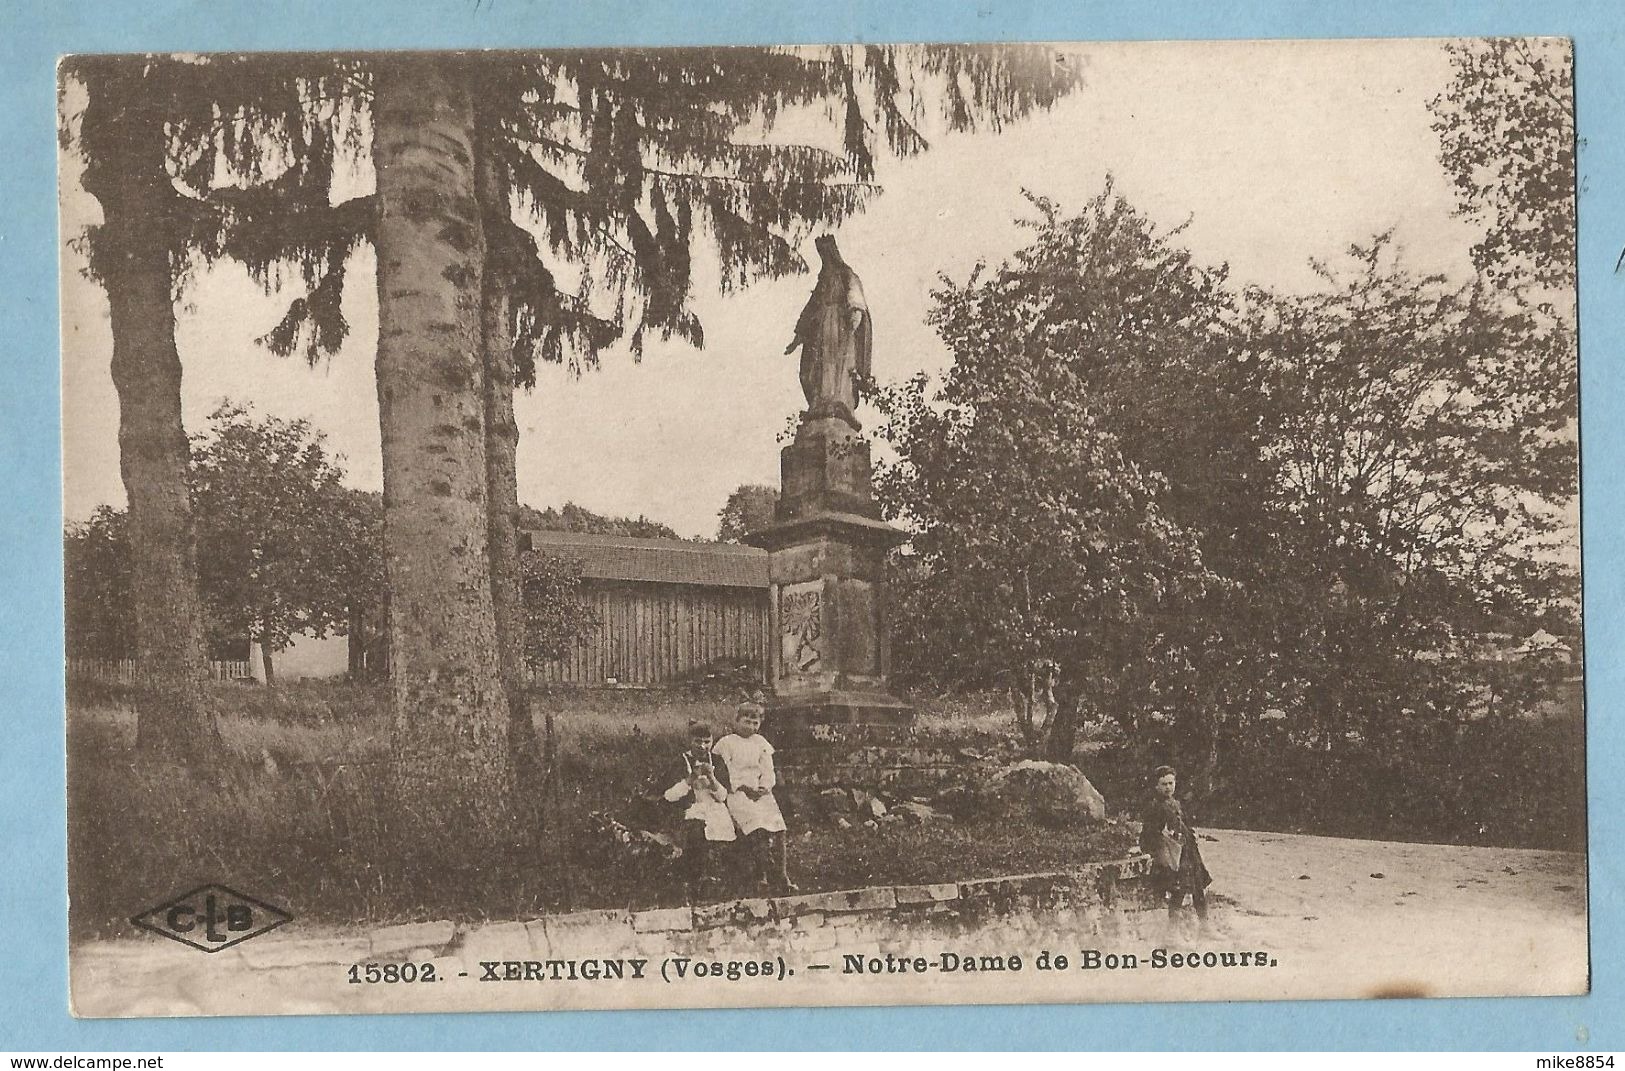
(1327, 917)
(1385, 918)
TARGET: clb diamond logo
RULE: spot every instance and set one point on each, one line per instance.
(212, 917)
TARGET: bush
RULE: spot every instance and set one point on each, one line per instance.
(1509, 782)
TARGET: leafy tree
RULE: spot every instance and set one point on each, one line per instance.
(574, 518)
(100, 608)
(557, 618)
(1035, 537)
(355, 542)
(1422, 440)
(750, 508)
(1273, 462)
(278, 553)
(1506, 136)
(1102, 334)
(1296, 504)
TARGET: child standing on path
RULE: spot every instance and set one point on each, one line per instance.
(749, 758)
(702, 791)
(1177, 869)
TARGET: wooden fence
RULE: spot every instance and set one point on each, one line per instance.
(654, 634)
(128, 670)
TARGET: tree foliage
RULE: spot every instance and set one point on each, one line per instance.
(751, 507)
(1506, 136)
(1213, 509)
(1034, 537)
(285, 547)
(1422, 449)
(557, 616)
(99, 605)
(618, 166)
(574, 518)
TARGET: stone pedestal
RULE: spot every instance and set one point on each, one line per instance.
(831, 651)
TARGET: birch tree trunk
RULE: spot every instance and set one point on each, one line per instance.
(451, 713)
(130, 252)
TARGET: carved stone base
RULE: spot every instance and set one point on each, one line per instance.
(791, 715)
(831, 654)
(826, 470)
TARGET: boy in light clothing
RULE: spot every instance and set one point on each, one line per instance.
(701, 789)
(749, 758)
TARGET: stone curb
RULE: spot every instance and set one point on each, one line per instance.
(926, 894)
(872, 898)
(303, 952)
(807, 917)
(405, 938)
(663, 920)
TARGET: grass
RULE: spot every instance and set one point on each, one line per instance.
(297, 812)
(298, 809)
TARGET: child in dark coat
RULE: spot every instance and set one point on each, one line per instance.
(700, 788)
(1177, 869)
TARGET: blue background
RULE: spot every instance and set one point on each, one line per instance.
(33, 896)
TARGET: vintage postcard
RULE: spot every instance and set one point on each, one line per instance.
(823, 525)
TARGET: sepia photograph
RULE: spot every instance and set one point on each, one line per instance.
(821, 525)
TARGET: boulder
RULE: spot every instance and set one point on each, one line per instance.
(836, 801)
(1048, 793)
(920, 812)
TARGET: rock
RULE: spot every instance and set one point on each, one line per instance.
(1048, 793)
(920, 812)
(836, 801)
(871, 824)
(843, 823)
(876, 808)
(664, 843)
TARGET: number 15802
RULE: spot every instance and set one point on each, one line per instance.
(390, 973)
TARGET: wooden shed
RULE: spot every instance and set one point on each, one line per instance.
(668, 610)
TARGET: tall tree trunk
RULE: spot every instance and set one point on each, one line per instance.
(378, 640)
(536, 774)
(451, 713)
(267, 664)
(1198, 745)
(501, 448)
(355, 645)
(1063, 723)
(124, 143)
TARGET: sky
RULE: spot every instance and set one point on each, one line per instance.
(1277, 153)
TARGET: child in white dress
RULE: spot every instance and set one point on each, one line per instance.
(701, 789)
(749, 758)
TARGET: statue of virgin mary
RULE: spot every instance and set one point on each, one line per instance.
(836, 337)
